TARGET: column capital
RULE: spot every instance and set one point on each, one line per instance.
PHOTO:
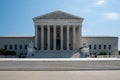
(48, 27)
(68, 27)
(61, 27)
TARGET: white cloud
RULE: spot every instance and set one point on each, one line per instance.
(100, 2)
(112, 15)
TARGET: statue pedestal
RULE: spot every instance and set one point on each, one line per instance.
(85, 51)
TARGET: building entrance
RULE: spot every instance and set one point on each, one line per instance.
(58, 44)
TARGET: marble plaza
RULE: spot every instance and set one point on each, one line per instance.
(59, 64)
(60, 75)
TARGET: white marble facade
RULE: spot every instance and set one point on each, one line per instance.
(98, 44)
(58, 31)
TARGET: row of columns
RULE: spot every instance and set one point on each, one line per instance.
(54, 37)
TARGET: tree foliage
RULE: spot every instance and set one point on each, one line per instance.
(7, 52)
(102, 53)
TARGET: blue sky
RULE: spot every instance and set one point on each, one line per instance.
(101, 17)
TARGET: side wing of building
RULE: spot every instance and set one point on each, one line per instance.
(101, 44)
(17, 44)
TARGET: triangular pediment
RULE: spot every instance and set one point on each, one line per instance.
(58, 15)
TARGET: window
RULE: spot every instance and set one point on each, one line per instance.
(94, 46)
(25, 46)
(26, 53)
(109, 46)
(15, 46)
(90, 47)
(95, 54)
(109, 53)
(10, 46)
(99, 46)
(20, 46)
(32, 54)
(5, 47)
(104, 46)
(21, 54)
(90, 53)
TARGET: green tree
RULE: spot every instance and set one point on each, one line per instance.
(7, 52)
(102, 53)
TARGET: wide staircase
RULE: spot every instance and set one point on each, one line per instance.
(56, 54)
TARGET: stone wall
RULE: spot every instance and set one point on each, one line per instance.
(14, 43)
(103, 42)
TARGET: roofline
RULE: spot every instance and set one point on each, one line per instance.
(16, 36)
(34, 18)
(99, 37)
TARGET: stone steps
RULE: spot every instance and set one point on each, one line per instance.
(56, 54)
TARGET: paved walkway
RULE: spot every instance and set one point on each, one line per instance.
(60, 64)
(60, 75)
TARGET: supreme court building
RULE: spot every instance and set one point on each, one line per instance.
(58, 35)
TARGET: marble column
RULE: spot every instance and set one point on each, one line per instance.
(36, 36)
(74, 37)
(68, 38)
(42, 37)
(48, 37)
(54, 37)
(61, 37)
(80, 36)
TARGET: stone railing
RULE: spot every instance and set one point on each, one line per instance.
(105, 56)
